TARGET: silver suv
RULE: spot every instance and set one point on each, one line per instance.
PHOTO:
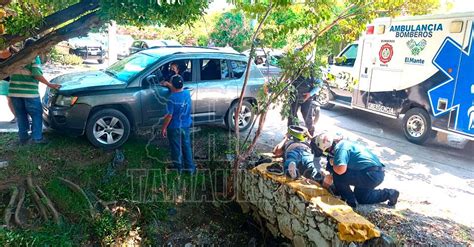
(107, 105)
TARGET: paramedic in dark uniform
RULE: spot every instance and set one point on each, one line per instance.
(305, 91)
(352, 164)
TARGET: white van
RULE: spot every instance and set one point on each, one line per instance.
(419, 68)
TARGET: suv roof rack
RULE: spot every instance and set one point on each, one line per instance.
(200, 47)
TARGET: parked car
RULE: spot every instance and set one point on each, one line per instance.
(139, 45)
(107, 105)
(124, 43)
(87, 48)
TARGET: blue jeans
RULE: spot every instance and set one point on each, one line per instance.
(364, 183)
(181, 152)
(303, 159)
(24, 107)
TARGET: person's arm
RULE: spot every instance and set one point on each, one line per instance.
(168, 117)
(37, 73)
(340, 168)
(340, 161)
(46, 82)
(166, 122)
(278, 149)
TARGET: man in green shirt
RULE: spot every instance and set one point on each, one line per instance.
(352, 164)
(23, 91)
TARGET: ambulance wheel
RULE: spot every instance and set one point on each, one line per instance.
(417, 125)
(324, 97)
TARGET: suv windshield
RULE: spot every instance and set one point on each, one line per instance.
(129, 67)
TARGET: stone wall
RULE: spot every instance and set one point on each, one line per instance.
(304, 213)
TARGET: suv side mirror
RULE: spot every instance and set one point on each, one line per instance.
(331, 59)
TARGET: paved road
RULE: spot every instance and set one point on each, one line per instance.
(434, 179)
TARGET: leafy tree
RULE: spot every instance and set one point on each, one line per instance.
(232, 29)
(316, 25)
(57, 20)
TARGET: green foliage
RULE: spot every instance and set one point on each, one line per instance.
(49, 235)
(146, 12)
(108, 228)
(232, 29)
(29, 14)
(63, 58)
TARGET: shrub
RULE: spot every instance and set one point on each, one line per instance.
(58, 56)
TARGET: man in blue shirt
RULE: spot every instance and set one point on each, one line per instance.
(354, 164)
(176, 125)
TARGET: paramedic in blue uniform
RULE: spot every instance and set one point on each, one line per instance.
(306, 89)
(352, 164)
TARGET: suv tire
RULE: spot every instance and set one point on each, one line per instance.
(246, 117)
(108, 129)
(417, 125)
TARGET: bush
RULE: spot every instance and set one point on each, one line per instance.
(57, 56)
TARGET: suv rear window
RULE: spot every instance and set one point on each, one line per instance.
(238, 68)
(213, 69)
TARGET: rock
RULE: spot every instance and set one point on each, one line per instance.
(297, 227)
(284, 224)
(299, 241)
(336, 242)
(269, 211)
(245, 207)
(273, 229)
(3, 164)
(311, 221)
(326, 231)
(267, 193)
(188, 245)
(261, 186)
(316, 237)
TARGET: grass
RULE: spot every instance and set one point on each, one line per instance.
(91, 168)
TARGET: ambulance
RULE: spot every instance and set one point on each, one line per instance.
(419, 69)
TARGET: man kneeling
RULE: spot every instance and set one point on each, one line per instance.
(354, 164)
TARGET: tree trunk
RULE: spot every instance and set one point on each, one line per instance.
(25, 56)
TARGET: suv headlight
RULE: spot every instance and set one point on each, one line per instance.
(63, 100)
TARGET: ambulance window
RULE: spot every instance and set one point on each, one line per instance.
(348, 57)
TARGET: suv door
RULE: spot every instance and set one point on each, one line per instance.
(216, 89)
(155, 96)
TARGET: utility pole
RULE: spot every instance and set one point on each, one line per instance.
(112, 49)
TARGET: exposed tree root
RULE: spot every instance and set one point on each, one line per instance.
(21, 199)
(104, 204)
(8, 210)
(49, 204)
(79, 190)
(39, 204)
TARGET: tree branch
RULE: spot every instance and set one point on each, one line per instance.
(79, 27)
(55, 19)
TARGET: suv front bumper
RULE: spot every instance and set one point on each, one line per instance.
(70, 120)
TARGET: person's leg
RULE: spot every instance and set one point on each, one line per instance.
(342, 184)
(308, 168)
(316, 113)
(187, 151)
(292, 159)
(22, 118)
(35, 110)
(307, 112)
(293, 118)
(365, 191)
(174, 139)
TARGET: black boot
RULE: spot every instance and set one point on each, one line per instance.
(392, 197)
